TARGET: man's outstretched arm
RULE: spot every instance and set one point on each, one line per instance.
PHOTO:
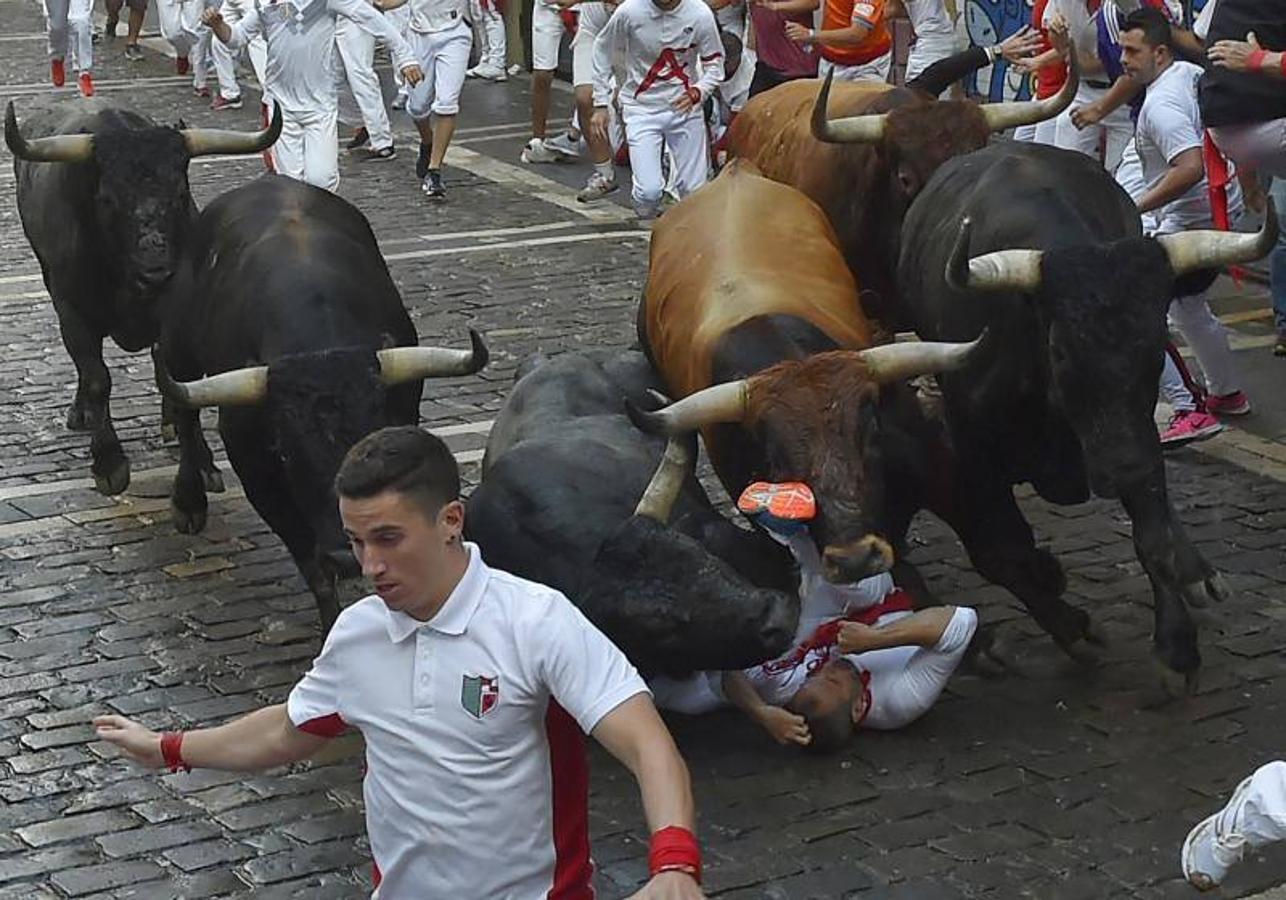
(261, 740)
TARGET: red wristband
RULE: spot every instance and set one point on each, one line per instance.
(1255, 61)
(694, 94)
(674, 849)
(172, 751)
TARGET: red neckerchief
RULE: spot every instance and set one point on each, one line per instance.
(827, 633)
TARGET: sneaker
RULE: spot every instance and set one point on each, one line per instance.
(360, 138)
(1213, 847)
(432, 186)
(381, 155)
(515, 69)
(223, 103)
(564, 145)
(203, 92)
(182, 65)
(1279, 349)
(133, 52)
(399, 102)
(86, 84)
(596, 188)
(647, 212)
(1190, 425)
(57, 72)
(1234, 404)
(784, 508)
(535, 151)
(487, 73)
(422, 161)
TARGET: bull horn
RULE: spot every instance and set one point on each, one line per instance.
(238, 387)
(1003, 270)
(658, 499)
(207, 141)
(57, 148)
(867, 129)
(1028, 112)
(1190, 250)
(898, 362)
(719, 403)
(402, 364)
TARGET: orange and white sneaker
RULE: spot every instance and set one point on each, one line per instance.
(86, 84)
(57, 72)
(783, 507)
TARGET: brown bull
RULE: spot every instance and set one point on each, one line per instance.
(750, 317)
(863, 151)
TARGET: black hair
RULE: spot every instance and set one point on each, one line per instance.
(1154, 25)
(404, 459)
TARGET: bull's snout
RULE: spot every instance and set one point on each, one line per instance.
(867, 556)
(779, 622)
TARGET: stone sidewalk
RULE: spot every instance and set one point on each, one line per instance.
(1056, 781)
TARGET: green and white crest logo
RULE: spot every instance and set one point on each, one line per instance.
(479, 694)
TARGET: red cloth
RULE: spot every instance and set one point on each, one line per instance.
(1218, 176)
(1049, 79)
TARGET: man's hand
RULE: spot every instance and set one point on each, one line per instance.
(685, 103)
(785, 726)
(211, 15)
(854, 637)
(670, 886)
(1085, 116)
(141, 744)
(1234, 55)
(1021, 44)
(413, 74)
(798, 33)
(1059, 38)
(598, 124)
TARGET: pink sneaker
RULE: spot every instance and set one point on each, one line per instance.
(1234, 404)
(1190, 425)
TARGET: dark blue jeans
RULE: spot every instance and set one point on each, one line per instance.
(1277, 260)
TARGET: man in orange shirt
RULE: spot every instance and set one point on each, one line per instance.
(854, 40)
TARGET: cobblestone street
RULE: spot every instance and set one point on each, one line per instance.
(1058, 780)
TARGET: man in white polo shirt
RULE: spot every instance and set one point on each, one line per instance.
(458, 676)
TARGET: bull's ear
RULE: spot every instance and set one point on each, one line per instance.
(908, 180)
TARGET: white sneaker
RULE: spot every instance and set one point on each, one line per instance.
(399, 102)
(1212, 847)
(487, 73)
(515, 69)
(563, 145)
(596, 188)
(472, 71)
(537, 152)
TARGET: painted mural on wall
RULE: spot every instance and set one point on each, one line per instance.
(988, 22)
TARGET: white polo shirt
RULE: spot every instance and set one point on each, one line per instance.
(476, 781)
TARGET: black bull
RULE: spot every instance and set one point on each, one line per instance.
(563, 474)
(1063, 394)
(283, 314)
(104, 200)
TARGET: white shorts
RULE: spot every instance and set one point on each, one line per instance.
(546, 36)
(443, 57)
(875, 70)
(583, 56)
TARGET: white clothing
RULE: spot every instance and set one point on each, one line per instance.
(465, 752)
(301, 47)
(180, 22)
(1043, 132)
(1257, 812)
(490, 25)
(820, 600)
(930, 49)
(306, 150)
(546, 36)
(665, 54)
(1260, 146)
(876, 70)
(935, 35)
(1205, 334)
(1116, 128)
(1201, 27)
(66, 19)
(428, 16)
(356, 48)
(593, 16)
(444, 58)
(225, 60)
(1173, 390)
(1169, 124)
(732, 19)
(649, 131)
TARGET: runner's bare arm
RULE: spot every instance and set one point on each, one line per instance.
(634, 733)
(922, 629)
(1184, 171)
(261, 740)
(783, 725)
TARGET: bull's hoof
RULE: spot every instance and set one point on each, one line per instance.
(1088, 648)
(1201, 594)
(78, 419)
(1178, 685)
(188, 521)
(112, 477)
(169, 434)
(990, 655)
(213, 480)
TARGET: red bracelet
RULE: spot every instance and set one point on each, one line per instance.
(172, 751)
(1255, 61)
(674, 848)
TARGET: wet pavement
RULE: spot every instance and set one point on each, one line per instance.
(1056, 780)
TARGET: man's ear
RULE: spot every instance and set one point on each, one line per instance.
(451, 517)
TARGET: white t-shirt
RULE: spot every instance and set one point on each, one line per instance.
(592, 17)
(429, 16)
(930, 18)
(465, 747)
(301, 47)
(665, 52)
(1169, 123)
